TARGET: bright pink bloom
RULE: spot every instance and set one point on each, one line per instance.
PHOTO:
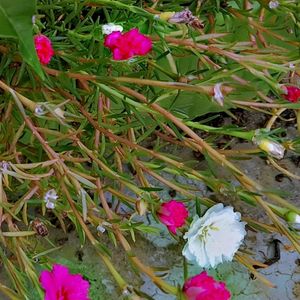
(59, 284)
(204, 287)
(292, 93)
(173, 214)
(43, 48)
(127, 45)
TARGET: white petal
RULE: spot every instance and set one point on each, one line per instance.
(197, 249)
(187, 253)
(194, 227)
(50, 205)
(111, 27)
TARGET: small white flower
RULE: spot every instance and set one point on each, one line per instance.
(111, 27)
(215, 237)
(218, 96)
(127, 291)
(273, 4)
(4, 166)
(291, 66)
(101, 229)
(39, 110)
(50, 198)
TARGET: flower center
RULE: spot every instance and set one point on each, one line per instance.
(205, 232)
(63, 294)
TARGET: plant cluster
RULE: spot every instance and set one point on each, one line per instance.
(91, 93)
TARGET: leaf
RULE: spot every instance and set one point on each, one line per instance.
(16, 22)
(150, 189)
(18, 233)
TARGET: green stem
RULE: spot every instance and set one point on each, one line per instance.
(247, 135)
(122, 6)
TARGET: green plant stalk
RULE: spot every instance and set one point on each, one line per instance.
(246, 135)
(280, 211)
(52, 155)
(216, 156)
(145, 269)
(120, 281)
(119, 5)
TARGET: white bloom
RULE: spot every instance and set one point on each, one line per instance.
(4, 166)
(101, 229)
(218, 96)
(50, 198)
(273, 4)
(111, 27)
(39, 110)
(215, 237)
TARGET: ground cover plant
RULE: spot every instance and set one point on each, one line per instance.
(94, 93)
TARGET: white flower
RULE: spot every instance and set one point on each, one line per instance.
(273, 4)
(50, 198)
(218, 96)
(4, 166)
(215, 237)
(101, 229)
(111, 27)
(39, 110)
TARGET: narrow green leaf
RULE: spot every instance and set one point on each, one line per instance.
(16, 22)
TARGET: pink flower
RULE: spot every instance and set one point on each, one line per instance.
(204, 287)
(43, 48)
(59, 284)
(127, 45)
(292, 93)
(173, 214)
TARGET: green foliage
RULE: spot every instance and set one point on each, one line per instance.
(16, 22)
(105, 134)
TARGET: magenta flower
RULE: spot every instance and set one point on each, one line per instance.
(204, 287)
(59, 284)
(292, 93)
(43, 47)
(173, 214)
(127, 45)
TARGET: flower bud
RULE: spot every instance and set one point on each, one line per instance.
(166, 15)
(218, 95)
(186, 17)
(59, 112)
(203, 286)
(293, 219)
(173, 214)
(43, 48)
(111, 27)
(291, 93)
(271, 147)
(141, 207)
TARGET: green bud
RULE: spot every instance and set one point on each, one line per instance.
(293, 219)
